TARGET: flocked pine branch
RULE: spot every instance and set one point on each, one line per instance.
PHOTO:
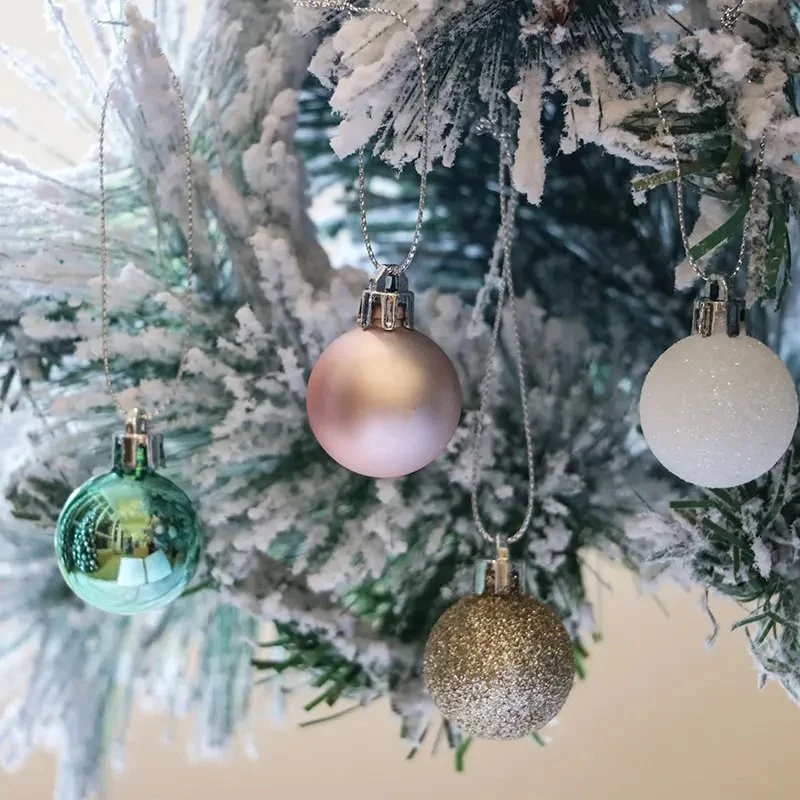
(741, 543)
(350, 572)
(597, 60)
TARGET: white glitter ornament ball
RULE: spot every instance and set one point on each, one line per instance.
(718, 410)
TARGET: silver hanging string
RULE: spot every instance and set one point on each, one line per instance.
(505, 294)
(730, 15)
(104, 259)
(395, 269)
(679, 186)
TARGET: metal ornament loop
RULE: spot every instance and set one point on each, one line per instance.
(424, 156)
(499, 575)
(500, 269)
(105, 259)
(137, 448)
(679, 188)
(730, 16)
(716, 310)
(387, 301)
(717, 287)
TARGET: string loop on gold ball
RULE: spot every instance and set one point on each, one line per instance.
(505, 296)
(499, 664)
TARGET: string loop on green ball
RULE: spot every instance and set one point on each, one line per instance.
(129, 540)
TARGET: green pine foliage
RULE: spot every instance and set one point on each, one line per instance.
(744, 543)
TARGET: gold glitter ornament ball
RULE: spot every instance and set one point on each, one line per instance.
(499, 666)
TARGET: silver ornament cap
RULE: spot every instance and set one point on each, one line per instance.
(499, 664)
(499, 575)
(137, 448)
(387, 302)
(717, 312)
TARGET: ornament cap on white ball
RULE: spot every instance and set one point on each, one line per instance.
(718, 408)
(384, 400)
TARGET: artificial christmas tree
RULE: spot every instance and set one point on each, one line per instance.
(352, 573)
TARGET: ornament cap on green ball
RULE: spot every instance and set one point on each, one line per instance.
(129, 541)
(499, 664)
(137, 447)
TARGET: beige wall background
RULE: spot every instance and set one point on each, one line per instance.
(659, 718)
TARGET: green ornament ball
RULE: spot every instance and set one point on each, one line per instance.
(128, 541)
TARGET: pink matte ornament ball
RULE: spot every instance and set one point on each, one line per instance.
(384, 403)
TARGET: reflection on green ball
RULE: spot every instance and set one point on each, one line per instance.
(128, 542)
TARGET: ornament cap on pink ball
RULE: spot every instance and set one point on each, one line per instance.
(384, 400)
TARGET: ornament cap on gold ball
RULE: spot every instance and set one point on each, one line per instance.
(499, 575)
(717, 311)
(137, 446)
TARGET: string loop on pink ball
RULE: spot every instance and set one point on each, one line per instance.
(351, 9)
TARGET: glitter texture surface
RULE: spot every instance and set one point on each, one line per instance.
(499, 666)
(718, 411)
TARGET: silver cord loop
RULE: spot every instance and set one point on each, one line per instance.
(730, 15)
(340, 5)
(104, 259)
(505, 294)
(679, 186)
(722, 282)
